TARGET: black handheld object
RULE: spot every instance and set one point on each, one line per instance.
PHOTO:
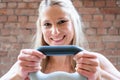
(59, 50)
(58, 75)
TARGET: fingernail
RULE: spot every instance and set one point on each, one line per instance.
(44, 56)
(74, 58)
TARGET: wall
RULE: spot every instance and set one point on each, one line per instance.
(17, 26)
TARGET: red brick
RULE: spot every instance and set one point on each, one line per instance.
(11, 25)
(12, 5)
(12, 18)
(91, 31)
(5, 46)
(6, 12)
(14, 53)
(92, 45)
(118, 3)
(88, 10)
(113, 59)
(33, 5)
(111, 38)
(1, 25)
(100, 3)
(110, 52)
(25, 12)
(33, 18)
(5, 67)
(5, 32)
(101, 31)
(24, 39)
(3, 53)
(118, 45)
(28, 25)
(110, 45)
(86, 24)
(98, 17)
(31, 0)
(113, 31)
(6, 60)
(110, 10)
(16, 46)
(118, 67)
(118, 17)
(77, 3)
(11, 0)
(111, 3)
(94, 38)
(22, 18)
(10, 12)
(3, 5)
(26, 32)
(27, 45)
(116, 23)
(88, 3)
(12, 39)
(87, 17)
(3, 18)
(101, 24)
(15, 32)
(109, 17)
(22, 5)
(8, 39)
(99, 46)
(3, 11)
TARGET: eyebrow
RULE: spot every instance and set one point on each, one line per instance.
(57, 19)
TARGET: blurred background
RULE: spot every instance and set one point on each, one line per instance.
(18, 25)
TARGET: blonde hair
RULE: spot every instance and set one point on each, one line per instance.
(78, 39)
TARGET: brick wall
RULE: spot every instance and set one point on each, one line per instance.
(17, 25)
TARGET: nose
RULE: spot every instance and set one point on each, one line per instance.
(55, 31)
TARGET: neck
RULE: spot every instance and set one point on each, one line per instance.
(58, 63)
(59, 60)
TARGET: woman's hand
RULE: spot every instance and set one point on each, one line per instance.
(29, 61)
(88, 65)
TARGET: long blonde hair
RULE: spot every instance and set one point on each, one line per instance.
(78, 39)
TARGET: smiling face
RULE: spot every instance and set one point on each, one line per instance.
(56, 25)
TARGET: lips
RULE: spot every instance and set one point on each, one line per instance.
(58, 39)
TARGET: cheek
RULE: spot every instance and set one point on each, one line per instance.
(71, 33)
(71, 30)
(45, 35)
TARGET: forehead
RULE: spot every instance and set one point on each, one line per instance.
(54, 12)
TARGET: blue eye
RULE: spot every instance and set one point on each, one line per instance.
(62, 21)
(47, 24)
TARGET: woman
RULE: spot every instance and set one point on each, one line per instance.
(59, 24)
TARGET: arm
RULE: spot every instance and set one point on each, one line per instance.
(12, 71)
(107, 76)
(95, 66)
(28, 61)
(108, 70)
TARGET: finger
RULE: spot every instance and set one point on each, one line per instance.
(30, 69)
(29, 63)
(86, 73)
(26, 57)
(86, 67)
(30, 55)
(88, 61)
(33, 52)
(84, 54)
(78, 55)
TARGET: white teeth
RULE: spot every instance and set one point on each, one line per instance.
(57, 39)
